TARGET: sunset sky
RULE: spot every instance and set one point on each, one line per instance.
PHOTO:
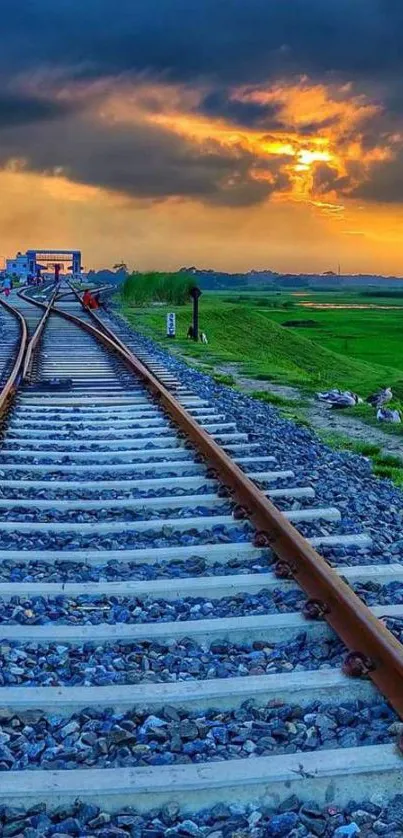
(232, 134)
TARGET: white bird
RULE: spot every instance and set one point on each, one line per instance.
(339, 398)
(385, 414)
(381, 397)
(328, 395)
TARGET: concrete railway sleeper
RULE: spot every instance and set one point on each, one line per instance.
(153, 599)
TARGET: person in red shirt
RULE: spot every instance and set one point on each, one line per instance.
(87, 298)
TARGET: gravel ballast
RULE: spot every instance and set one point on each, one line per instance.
(294, 819)
(51, 664)
(105, 739)
(93, 610)
(64, 570)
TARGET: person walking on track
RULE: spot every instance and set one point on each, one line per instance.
(6, 284)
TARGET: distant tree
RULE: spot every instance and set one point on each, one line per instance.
(121, 266)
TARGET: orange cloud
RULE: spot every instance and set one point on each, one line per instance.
(283, 235)
(299, 229)
(317, 123)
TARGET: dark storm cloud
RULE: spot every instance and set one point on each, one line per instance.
(213, 45)
(326, 178)
(17, 109)
(143, 161)
(314, 128)
(235, 41)
(384, 183)
(220, 103)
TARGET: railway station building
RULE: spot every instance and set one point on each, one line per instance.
(44, 260)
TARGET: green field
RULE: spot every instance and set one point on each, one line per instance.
(374, 336)
(348, 348)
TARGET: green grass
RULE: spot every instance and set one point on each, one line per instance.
(295, 417)
(345, 443)
(224, 378)
(142, 288)
(357, 349)
(266, 350)
(383, 465)
(288, 408)
(344, 351)
(388, 461)
(393, 474)
(276, 399)
(370, 335)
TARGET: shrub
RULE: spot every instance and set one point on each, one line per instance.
(145, 288)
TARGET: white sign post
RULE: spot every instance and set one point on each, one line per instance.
(171, 325)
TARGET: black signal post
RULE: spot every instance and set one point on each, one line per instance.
(195, 294)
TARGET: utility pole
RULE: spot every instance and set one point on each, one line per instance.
(195, 294)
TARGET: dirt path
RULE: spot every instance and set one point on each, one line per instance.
(317, 414)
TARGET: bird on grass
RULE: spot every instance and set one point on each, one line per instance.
(338, 399)
(381, 397)
(328, 395)
(385, 414)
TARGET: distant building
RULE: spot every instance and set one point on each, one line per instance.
(19, 266)
(44, 260)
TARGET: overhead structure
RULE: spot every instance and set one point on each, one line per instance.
(46, 260)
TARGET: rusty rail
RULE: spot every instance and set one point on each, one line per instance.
(24, 357)
(29, 356)
(10, 388)
(375, 652)
(100, 325)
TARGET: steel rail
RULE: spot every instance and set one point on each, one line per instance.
(100, 325)
(10, 388)
(25, 354)
(378, 654)
(63, 294)
(29, 356)
(99, 289)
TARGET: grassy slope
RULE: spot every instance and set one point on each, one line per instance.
(372, 336)
(244, 334)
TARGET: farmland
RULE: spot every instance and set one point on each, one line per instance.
(359, 349)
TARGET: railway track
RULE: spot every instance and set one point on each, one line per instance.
(9, 334)
(156, 646)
